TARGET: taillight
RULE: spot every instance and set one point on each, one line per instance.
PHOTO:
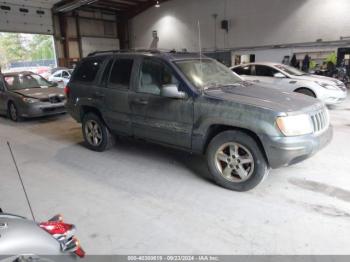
(79, 251)
(56, 227)
(66, 90)
(64, 234)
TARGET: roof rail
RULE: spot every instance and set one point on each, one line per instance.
(153, 51)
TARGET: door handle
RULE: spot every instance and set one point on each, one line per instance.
(141, 101)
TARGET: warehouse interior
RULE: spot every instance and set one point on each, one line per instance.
(142, 198)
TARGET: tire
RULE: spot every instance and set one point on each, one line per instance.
(306, 91)
(12, 112)
(96, 134)
(243, 176)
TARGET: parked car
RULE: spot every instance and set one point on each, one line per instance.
(199, 105)
(61, 76)
(50, 72)
(25, 94)
(285, 78)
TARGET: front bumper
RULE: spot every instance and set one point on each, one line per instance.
(286, 151)
(42, 109)
(333, 97)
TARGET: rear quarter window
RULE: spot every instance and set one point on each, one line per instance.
(88, 69)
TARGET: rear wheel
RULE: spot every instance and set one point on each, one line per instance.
(13, 112)
(306, 91)
(96, 134)
(235, 161)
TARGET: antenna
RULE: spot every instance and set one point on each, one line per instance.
(20, 178)
(199, 41)
(200, 48)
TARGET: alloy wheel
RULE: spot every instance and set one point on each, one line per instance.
(234, 162)
(93, 133)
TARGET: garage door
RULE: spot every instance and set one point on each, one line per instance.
(25, 16)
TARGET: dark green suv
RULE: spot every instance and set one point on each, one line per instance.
(196, 104)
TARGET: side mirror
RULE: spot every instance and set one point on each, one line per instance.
(171, 91)
(279, 75)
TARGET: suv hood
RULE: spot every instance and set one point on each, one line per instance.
(40, 93)
(265, 98)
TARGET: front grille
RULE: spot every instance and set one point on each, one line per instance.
(320, 121)
(56, 99)
(53, 99)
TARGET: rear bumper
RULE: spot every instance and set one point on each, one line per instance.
(73, 111)
(286, 151)
(42, 109)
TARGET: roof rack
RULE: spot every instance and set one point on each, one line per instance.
(153, 51)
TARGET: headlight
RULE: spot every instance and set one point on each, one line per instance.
(295, 125)
(325, 85)
(30, 100)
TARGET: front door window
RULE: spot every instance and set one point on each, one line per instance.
(153, 76)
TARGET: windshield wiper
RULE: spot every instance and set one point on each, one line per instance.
(219, 86)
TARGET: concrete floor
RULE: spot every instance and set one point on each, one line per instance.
(140, 198)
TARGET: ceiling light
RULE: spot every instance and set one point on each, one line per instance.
(157, 4)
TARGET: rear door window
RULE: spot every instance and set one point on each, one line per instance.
(121, 73)
(88, 69)
(65, 74)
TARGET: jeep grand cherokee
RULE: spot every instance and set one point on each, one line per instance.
(197, 104)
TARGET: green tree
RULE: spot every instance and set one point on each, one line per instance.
(21, 47)
(41, 47)
(332, 58)
(12, 48)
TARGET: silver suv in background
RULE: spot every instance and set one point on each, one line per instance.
(286, 78)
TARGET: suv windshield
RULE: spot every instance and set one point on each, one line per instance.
(26, 81)
(207, 73)
(290, 70)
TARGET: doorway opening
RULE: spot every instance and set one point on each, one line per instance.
(27, 52)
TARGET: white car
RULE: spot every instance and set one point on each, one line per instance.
(286, 78)
(61, 76)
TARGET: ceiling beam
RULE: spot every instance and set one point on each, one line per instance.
(129, 8)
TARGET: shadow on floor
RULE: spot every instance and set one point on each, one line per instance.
(136, 149)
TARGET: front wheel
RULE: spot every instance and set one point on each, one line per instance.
(13, 112)
(235, 161)
(96, 134)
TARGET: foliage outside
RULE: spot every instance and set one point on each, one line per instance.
(332, 58)
(24, 47)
